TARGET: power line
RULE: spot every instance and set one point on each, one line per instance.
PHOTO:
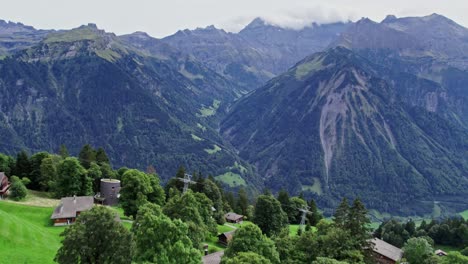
(304, 211)
(187, 180)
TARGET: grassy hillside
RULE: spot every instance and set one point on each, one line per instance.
(464, 214)
(26, 234)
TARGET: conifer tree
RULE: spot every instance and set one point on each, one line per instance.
(23, 165)
(341, 214)
(242, 201)
(358, 221)
(86, 156)
(283, 198)
(101, 156)
(314, 216)
(63, 151)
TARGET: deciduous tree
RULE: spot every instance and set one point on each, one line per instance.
(136, 186)
(95, 238)
(161, 240)
(247, 258)
(417, 250)
(72, 178)
(249, 238)
(269, 216)
(48, 174)
(17, 189)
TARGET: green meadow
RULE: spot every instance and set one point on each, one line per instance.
(27, 235)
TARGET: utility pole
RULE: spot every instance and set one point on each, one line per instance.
(304, 211)
(187, 180)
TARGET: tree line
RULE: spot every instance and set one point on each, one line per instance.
(59, 174)
(170, 226)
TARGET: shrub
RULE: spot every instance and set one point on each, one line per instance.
(17, 190)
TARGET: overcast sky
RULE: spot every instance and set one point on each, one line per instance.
(161, 18)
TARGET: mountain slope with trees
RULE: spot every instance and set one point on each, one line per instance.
(86, 86)
(333, 127)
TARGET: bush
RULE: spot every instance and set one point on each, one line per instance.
(464, 252)
(17, 190)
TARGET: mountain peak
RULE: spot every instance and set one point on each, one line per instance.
(365, 20)
(389, 19)
(84, 32)
(141, 35)
(90, 26)
(435, 15)
(257, 22)
(12, 26)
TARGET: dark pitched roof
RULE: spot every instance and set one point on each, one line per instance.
(232, 216)
(214, 258)
(228, 235)
(69, 206)
(440, 252)
(385, 249)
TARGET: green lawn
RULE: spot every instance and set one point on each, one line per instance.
(293, 229)
(210, 110)
(215, 149)
(447, 249)
(26, 234)
(315, 188)
(231, 179)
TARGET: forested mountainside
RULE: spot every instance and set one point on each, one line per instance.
(258, 52)
(332, 126)
(85, 86)
(380, 112)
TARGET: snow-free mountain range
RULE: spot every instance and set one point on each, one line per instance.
(377, 110)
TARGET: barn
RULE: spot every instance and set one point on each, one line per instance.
(234, 218)
(69, 208)
(4, 184)
(225, 238)
(385, 253)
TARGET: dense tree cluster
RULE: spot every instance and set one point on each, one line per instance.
(60, 174)
(450, 232)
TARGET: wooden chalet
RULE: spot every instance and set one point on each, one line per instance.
(234, 218)
(385, 253)
(69, 208)
(440, 253)
(225, 238)
(4, 184)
